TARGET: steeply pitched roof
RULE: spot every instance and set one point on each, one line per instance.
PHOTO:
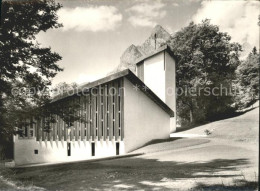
(131, 77)
(157, 51)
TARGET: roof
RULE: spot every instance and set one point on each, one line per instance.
(131, 77)
(157, 51)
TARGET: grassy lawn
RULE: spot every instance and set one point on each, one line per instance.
(128, 173)
(225, 160)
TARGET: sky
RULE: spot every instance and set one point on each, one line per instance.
(95, 33)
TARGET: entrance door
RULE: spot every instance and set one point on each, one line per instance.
(93, 149)
(69, 149)
(117, 148)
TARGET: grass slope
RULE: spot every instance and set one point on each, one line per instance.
(225, 160)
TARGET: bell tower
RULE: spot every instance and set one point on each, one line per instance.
(157, 71)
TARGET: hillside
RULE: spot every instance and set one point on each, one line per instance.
(227, 159)
(243, 128)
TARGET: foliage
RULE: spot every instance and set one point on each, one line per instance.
(63, 87)
(248, 80)
(25, 65)
(207, 61)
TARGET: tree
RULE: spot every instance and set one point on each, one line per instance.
(63, 87)
(25, 66)
(248, 80)
(206, 59)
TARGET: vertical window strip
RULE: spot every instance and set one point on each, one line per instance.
(96, 103)
(113, 127)
(96, 120)
(119, 119)
(102, 95)
(102, 128)
(102, 112)
(107, 125)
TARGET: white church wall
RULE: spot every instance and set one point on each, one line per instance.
(154, 74)
(170, 81)
(56, 151)
(144, 120)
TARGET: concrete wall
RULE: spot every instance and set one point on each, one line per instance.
(160, 77)
(170, 81)
(144, 120)
(56, 151)
(154, 74)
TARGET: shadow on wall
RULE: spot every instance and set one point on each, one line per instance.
(127, 173)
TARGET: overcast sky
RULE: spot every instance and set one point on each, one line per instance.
(96, 32)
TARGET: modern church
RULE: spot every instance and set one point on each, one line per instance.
(122, 112)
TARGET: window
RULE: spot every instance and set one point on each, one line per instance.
(102, 111)
(25, 131)
(92, 149)
(36, 151)
(96, 103)
(69, 149)
(117, 148)
(102, 95)
(113, 128)
(119, 103)
(31, 133)
(102, 127)
(119, 119)
(113, 111)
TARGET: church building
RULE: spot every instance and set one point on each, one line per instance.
(122, 112)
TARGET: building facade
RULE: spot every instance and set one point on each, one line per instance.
(119, 113)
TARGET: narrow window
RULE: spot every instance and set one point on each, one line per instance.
(113, 128)
(92, 149)
(102, 127)
(96, 103)
(119, 103)
(31, 133)
(90, 111)
(96, 120)
(117, 148)
(113, 111)
(107, 125)
(107, 97)
(119, 119)
(102, 109)
(119, 88)
(113, 95)
(102, 96)
(69, 149)
(25, 131)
